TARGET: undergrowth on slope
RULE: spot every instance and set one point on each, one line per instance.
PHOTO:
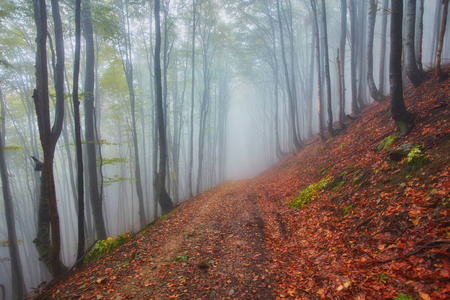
(309, 194)
(103, 247)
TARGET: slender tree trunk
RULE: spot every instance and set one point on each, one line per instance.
(398, 109)
(48, 217)
(383, 46)
(419, 39)
(374, 93)
(295, 139)
(327, 69)
(353, 45)
(191, 139)
(441, 40)
(203, 116)
(361, 42)
(279, 152)
(18, 285)
(412, 71)
(78, 143)
(319, 70)
(59, 74)
(161, 194)
(342, 63)
(128, 68)
(96, 201)
(341, 100)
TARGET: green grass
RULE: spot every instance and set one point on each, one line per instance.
(102, 247)
(309, 194)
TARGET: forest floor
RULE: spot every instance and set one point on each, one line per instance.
(380, 229)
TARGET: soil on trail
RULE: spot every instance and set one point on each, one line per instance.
(378, 230)
(210, 247)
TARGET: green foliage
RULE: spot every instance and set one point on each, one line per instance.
(102, 247)
(404, 297)
(111, 161)
(383, 278)
(309, 194)
(347, 210)
(183, 258)
(110, 180)
(6, 243)
(341, 146)
(12, 148)
(416, 158)
(387, 142)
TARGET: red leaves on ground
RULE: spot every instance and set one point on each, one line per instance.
(379, 234)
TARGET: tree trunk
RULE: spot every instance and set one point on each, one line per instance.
(128, 68)
(48, 217)
(78, 143)
(398, 110)
(341, 100)
(191, 138)
(383, 46)
(412, 71)
(161, 194)
(96, 201)
(18, 285)
(327, 69)
(419, 39)
(279, 152)
(353, 45)
(203, 115)
(292, 110)
(319, 70)
(441, 40)
(341, 70)
(374, 93)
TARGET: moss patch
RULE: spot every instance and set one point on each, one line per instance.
(309, 194)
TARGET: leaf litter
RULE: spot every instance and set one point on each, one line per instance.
(380, 231)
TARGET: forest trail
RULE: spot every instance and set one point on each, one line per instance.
(211, 246)
(379, 228)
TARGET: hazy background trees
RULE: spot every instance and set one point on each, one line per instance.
(242, 83)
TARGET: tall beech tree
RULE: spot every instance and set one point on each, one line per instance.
(76, 115)
(289, 83)
(398, 109)
(374, 93)
(319, 69)
(162, 196)
(342, 62)
(191, 134)
(127, 64)
(353, 59)
(419, 39)
(441, 39)
(327, 68)
(48, 218)
(89, 122)
(381, 72)
(412, 71)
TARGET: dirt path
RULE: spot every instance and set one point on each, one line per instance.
(211, 247)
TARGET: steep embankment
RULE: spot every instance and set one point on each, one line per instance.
(377, 230)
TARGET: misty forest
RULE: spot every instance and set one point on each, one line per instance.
(131, 129)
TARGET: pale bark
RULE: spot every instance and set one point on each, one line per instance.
(412, 71)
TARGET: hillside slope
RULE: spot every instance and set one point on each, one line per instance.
(375, 229)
